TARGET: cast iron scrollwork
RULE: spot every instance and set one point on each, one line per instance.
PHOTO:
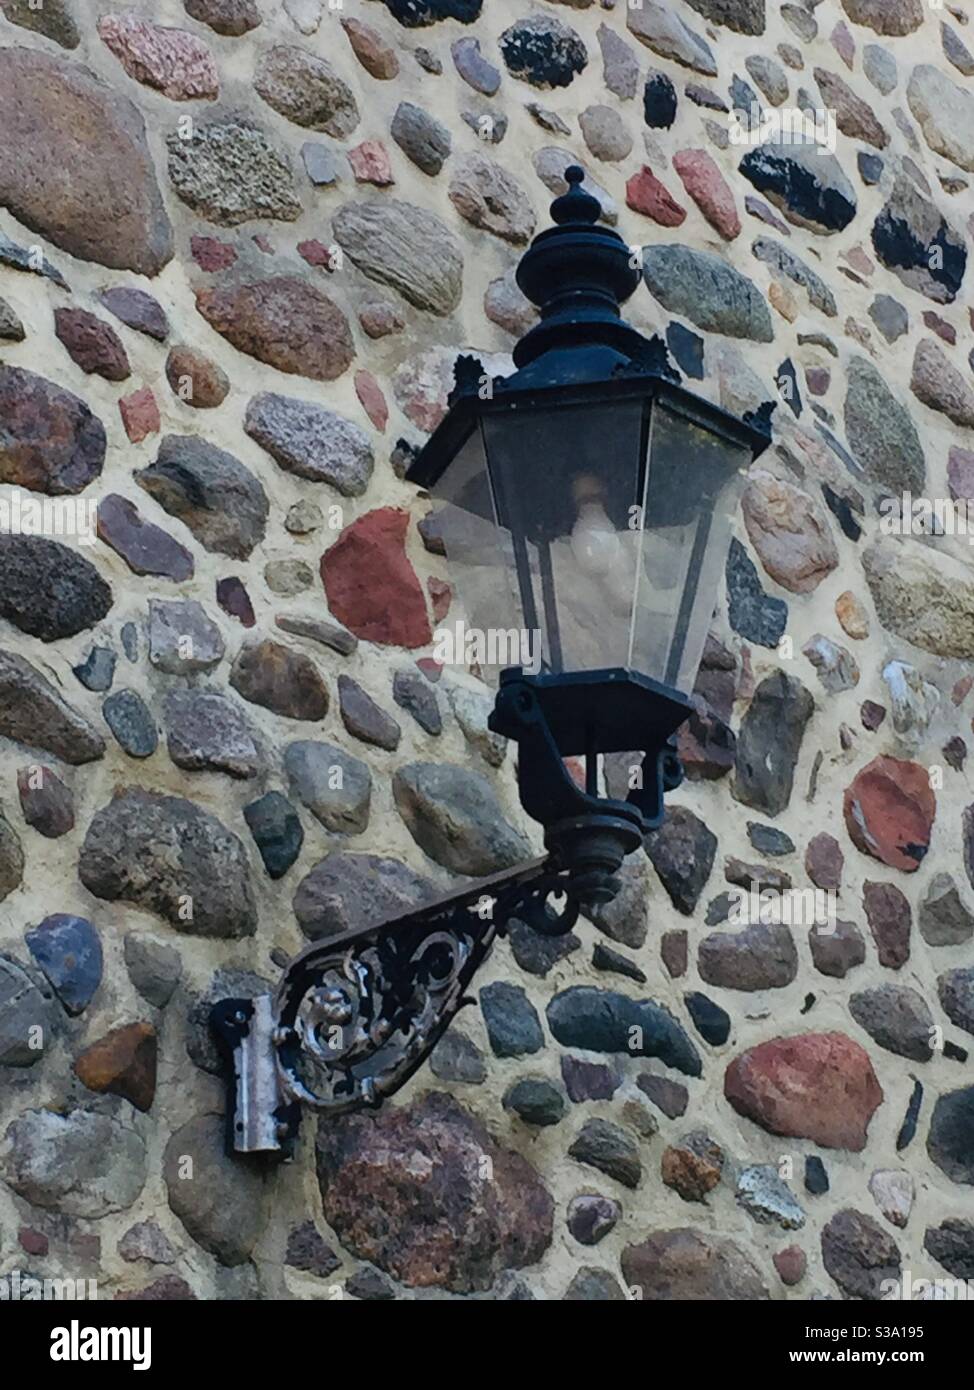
(355, 1016)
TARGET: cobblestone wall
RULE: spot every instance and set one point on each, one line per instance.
(241, 246)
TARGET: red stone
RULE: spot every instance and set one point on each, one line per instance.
(889, 812)
(262, 244)
(34, 1242)
(817, 1086)
(710, 191)
(373, 401)
(645, 194)
(823, 862)
(211, 254)
(940, 326)
(370, 163)
(140, 414)
(371, 586)
(316, 253)
(430, 668)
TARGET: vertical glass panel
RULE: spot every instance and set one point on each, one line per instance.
(567, 482)
(693, 487)
(486, 623)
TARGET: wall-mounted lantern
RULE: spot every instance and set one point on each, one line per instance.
(586, 502)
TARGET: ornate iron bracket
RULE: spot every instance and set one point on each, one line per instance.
(356, 1015)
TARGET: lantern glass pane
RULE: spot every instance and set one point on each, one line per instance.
(693, 486)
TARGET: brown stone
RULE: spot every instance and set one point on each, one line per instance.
(859, 1254)
(92, 344)
(140, 414)
(889, 811)
(375, 55)
(408, 1189)
(692, 1167)
(195, 378)
(49, 440)
(75, 165)
(824, 860)
(890, 918)
(46, 802)
(287, 682)
(122, 1063)
(684, 1264)
(790, 1264)
(852, 616)
(34, 713)
(285, 322)
(817, 1086)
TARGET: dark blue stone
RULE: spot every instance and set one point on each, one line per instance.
(753, 614)
(417, 14)
(68, 951)
(744, 98)
(130, 720)
(816, 1178)
(543, 52)
(841, 509)
(600, 1020)
(709, 1019)
(772, 171)
(659, 101)
(767, 840)
(277, 832)
(97, 671)
(513, 1026)
(687, 348)
(909, 1126)
(870, 168)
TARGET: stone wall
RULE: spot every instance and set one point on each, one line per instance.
(241, 245)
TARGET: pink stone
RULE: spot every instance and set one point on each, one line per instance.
(645, 194)
(960, 473)
(858, 259)
(817, 1086)
(962, 689)
(370, 163)
(889, 812)
(441, 596)
(316, 253)
(430, 668)
(710, 191)
(173, 61)
(262, 244)
(843, 43)
(211, 254)
(373, 401)
(818, 380)
(140, 414)
(371, 586)
(790, 1264)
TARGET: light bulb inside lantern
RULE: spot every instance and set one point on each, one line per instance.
(595, 543)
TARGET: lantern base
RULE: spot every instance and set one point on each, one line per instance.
(552, 717)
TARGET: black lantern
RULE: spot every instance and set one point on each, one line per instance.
(586, 505)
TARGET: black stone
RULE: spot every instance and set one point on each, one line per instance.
(308, 1252)
(687, 349)
(536, 1100)
(841, 509)
(513, 1026)
(786, 380)
(659, 101)
(413, 693)
(371, 1285)
(543, 51)
(602, 1021)
(899, 247)
(769, 742)
(710, 1020)
(772, 171)
(277, 832)
(816, 1177)
(753, 614)
(417, 14)
(604, 958)
(537, 953)
(456, 1058)
(49, 590)
(952, 1245)
(909, 1126)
